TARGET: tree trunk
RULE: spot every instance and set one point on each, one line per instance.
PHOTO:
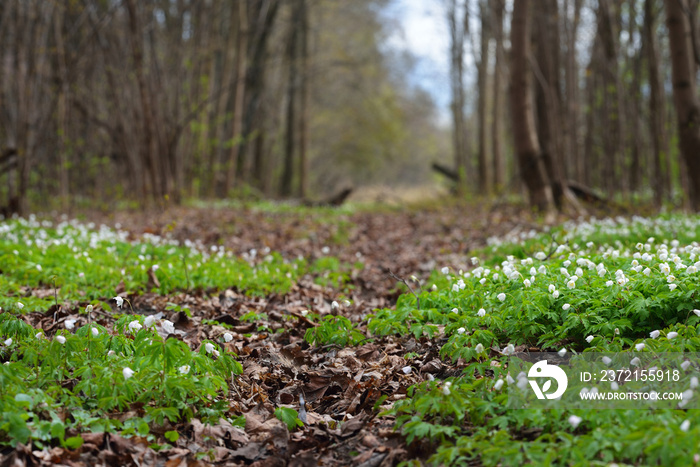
(548, 95)
(591, 171)
(292, 77)
(226, 46)
(263, 19)
(62, 108)
(196, 167)
(684, 95)
(499, 176)
(635, 170)
(120, 126)
(694, 22)
(206, 75)
(613, 136)
(148, 148)
(305, 77)
(634, 108)
(570, 110)
(241, 63)
(457, 34)
(483, 72)
(30, 81)
(527, 146)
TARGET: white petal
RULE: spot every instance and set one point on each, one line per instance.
(575, 420)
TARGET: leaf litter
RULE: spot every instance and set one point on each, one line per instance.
(337, 391)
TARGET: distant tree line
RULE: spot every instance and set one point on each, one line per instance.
(602, 97)
(159, 100)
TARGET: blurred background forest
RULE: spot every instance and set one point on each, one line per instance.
(168, 100)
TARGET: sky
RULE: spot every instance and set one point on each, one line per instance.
(423, 32)
(421, 29)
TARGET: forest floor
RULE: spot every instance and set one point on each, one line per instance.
(342, 386)
(338, 384)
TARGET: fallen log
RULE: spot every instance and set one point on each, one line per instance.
(579, 190)
(585, 193)
(334, 201)
(8, 160)
(445, 171)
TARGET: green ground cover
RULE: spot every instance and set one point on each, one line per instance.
(616, 285)
(84, 378)
(600, 286)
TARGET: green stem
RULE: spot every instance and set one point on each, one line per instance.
(162, 371)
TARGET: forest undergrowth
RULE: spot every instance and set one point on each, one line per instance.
(277, 335)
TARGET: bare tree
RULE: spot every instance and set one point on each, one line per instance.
(527, 147)
(304, 78)
(26, 92)
(657, 123)
(498, 7)
(571, 108)
(264, 13)
(458, 30)
(608, 30)
(292, 91)
(633, 109)
(483, 78)
(230, 162)
(548, 94)
(62, 110)
(684, 94)
(188, 98)
(149, 146)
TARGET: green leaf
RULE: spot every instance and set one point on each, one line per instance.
(172, 436)
(18, 430)
(74, 442)
(290, 417)
(380, 401)
(58, 430)
(24, 400)
(143, 428)
(239, 421)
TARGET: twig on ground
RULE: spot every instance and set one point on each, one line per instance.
(187, 274)
(55, 298)
(405, 282)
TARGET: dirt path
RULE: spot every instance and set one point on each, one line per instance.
(341, 387)
(406, 242)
